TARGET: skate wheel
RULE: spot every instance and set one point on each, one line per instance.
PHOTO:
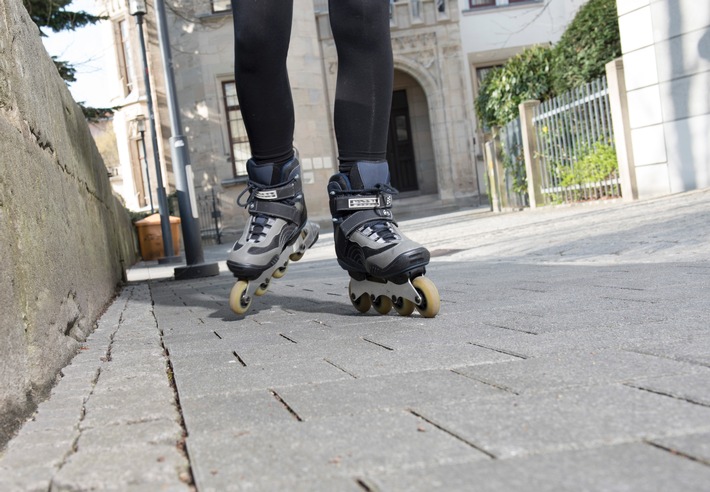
(382, 304)
(280, 272)
(431, 302)
(404, 307)
(362, 303)
(296, 256)
(262, 288)
(238, 300)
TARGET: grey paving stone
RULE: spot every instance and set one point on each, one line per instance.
(129, 406)
(392, 391)
(154, 432)
(572, 369)
(568, 419)
(205, 380)
(321, 448)
(692, 387)
(157, 467)
(420, 358)
(696, 446)
(622, 468)
(30, 479)
(208, 413)
(697, 353)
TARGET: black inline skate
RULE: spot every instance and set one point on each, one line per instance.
(277, 231)
(386, 268)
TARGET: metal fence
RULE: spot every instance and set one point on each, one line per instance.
(575, 143)
(210, 218)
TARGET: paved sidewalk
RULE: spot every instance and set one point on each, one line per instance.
(572, 352)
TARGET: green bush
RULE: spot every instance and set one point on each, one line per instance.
(524, 76)
(587, 45)
(595, 164)
(590, 41)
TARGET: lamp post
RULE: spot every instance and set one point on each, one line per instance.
(140, 124)
(194, 256)
(137, 8)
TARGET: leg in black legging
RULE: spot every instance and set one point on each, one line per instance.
(262, 30)
(363, 97)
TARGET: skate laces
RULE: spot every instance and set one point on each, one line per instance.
(381, 231)
(259, 224)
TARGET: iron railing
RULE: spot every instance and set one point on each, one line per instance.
(575, 143)
(210, 218)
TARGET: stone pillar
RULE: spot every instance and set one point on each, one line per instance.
(622, 130)
(532, 164)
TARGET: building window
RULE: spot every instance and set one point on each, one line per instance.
(221, 6)
(125, 57)
(238, 139)
(476, 4)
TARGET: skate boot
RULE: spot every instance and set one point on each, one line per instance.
(386, 268)
(277, 230)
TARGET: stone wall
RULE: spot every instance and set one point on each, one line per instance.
(64, 239)
(666, 51)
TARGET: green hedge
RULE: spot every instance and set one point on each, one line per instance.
(589, 42)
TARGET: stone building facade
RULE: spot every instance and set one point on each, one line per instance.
(431, 152)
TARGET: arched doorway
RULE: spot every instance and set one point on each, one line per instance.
(410, 151)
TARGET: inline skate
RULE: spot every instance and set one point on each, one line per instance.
(277, 230)
(386, 268)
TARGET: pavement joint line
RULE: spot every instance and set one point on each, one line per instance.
(453, 434)
(492, 325)
(286, 405)
(239, 359)
(669, 395)
(170, 374)
(488, 383)
(626, 299)
(530, 290)
(287, 338)
(500, 351)
(378, 344)
(362, 483)
(217, 334)
(676, 452)
(340, 368)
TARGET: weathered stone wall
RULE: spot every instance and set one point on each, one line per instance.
(64, 239)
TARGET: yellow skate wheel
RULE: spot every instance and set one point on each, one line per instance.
(262, 288)
(280, 272)
(362, 303)
(238, 300)
(382, 304)
(431, 302)
(296, 256)
(404, 307)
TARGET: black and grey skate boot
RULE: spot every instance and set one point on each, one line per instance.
(386, 267)
(277, 230)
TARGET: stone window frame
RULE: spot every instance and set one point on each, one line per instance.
(125, 56)
(239, 169)
(477, 5)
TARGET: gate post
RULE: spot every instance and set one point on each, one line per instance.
(619, 105)
(532, 164)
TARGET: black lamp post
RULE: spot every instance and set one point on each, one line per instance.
(137, 8)
(194, 255)
(140, 126)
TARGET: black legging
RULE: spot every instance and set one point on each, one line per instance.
(363, 95)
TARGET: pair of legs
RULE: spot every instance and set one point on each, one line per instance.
(361, 31)
(386, 268)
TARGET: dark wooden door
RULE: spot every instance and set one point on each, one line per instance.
(400, 151)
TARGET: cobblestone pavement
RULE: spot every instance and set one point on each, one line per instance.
(572, 352)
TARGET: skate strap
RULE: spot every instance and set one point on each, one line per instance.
(277, 193)
(350, 203)
(275, 209)
(362, 217)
